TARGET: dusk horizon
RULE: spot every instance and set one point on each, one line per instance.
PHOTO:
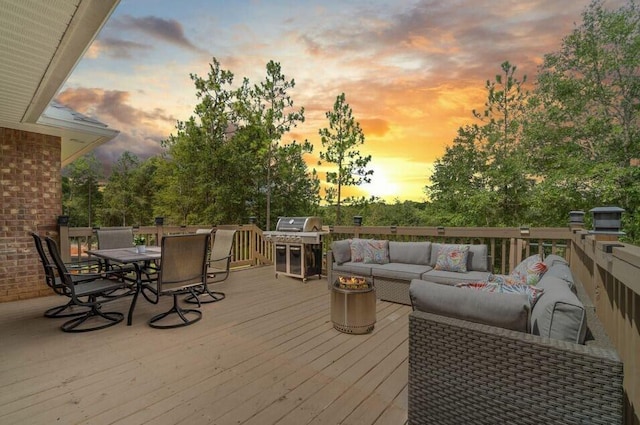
(412, 71)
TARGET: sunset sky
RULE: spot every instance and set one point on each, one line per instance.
(412, 71)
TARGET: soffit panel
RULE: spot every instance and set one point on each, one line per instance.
(30, 34)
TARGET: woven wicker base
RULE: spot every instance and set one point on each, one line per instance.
(462, 373)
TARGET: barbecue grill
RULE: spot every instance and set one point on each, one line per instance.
(297, 244)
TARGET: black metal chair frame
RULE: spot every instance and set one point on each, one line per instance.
(89, 293)
(54, 282)
(177, 284)
(204, 294)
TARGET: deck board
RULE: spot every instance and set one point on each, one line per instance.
(267, 354)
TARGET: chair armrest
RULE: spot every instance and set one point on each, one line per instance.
(464, 372)
(87, 264)
(210, 260)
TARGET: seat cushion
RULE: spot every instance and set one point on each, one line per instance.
(400, 271)
(410, 252)
(451, 278)
(558, 314)
(508, 311)
(358, 269)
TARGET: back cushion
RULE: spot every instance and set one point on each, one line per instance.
(563, 272)
(476, 259)
(558, 314)
(410, 252)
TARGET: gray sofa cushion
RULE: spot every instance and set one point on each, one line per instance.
(476, 260)
(552, 259)
(561, 271)
(509, 311)
(451, 278)
(341, 251)
(400, 271)
(410, 252)
(558, 314)
(358, 269)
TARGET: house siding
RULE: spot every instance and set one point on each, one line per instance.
(31, 192)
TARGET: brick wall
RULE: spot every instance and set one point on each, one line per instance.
(30, 195)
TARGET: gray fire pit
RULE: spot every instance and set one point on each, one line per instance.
(353, 307)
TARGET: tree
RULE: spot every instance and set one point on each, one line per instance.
(119, 196)
(195, 152)
(483, 178)
(82, 201)
(129, 195)
(271, 108)
(588, 123)
(341, 141)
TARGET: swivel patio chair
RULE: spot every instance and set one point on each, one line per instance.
(90, 293)
(54, 282)
(183, 269)
(218, 265)
(121, 237)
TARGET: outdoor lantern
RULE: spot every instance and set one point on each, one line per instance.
(63, 220)
(252, 220)
(159, 221)
(576, 220)
(606, 220)
(357, 220)
(576, 217)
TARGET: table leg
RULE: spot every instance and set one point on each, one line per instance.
(135, 295)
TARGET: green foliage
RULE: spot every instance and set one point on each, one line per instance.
(270, 108)
(482, 178)
(341, 141)
(81, 198)
(569, 145)
(128, 194)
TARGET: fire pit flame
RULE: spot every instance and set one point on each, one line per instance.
(352, 282)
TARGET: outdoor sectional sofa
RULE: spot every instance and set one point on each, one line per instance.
(483, 358)
(404, 262)
(479, 358)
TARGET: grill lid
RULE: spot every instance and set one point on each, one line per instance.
(299, 224)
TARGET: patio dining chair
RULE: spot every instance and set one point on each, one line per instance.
(218, 264)
(54, 282)
(90, 293)
(183, 269)
(121, 237)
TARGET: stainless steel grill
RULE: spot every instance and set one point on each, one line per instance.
(297, 244)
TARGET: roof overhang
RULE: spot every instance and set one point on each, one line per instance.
(40, 44)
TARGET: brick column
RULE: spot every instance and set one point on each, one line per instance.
(31, 200)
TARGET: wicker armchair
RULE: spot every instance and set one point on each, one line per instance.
(464, 372)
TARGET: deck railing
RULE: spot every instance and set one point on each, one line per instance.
(608, 270)
(610, 273)
(250, 247)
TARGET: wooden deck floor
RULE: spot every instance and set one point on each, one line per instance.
(267, 354)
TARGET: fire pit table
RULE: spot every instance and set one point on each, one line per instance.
(353, 305)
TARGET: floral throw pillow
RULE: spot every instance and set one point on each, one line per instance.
(452, 258)
(530, 270)
(357, 250)
(376, 251)
(504, 279)
(532, 293)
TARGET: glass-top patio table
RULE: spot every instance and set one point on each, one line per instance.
(130, 256)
